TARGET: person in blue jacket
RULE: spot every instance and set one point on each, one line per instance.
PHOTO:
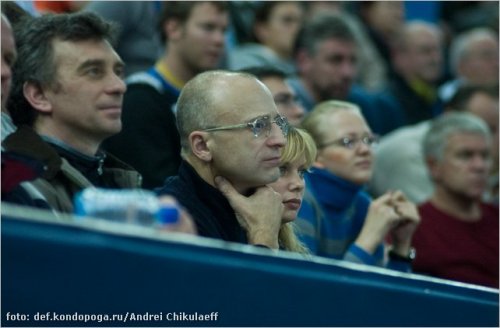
(342, 221)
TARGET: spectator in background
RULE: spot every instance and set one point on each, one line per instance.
(458, 236)
(383, 21)
(473, 60)
(275, 26)
(400, 164)
(284, 96)
(352, 226)
(296, 158)
(326, 57)
(9, 56)
(371, 69)
(194, 36)
(17, 169)
(138, 42)
(418, 61)
(231, 137)
(66, 99)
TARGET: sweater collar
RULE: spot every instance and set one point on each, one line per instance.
(331, 189)
(215, 202)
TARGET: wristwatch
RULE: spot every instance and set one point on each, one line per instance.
(409, 258)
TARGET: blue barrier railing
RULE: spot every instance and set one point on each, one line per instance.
(96, 273)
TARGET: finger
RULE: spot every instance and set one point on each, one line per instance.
(227, 189)
(384, 199)
(398, 195)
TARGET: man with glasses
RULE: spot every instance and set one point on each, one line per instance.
(231, 139)
(349, 225)
(284, 96)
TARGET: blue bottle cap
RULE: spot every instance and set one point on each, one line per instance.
(168, 215)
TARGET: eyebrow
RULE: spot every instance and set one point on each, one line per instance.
(98, 62)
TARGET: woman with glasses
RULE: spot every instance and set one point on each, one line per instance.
(351, 226)
(296, 158)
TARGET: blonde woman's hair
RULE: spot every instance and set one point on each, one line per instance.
(299, 143)
(316, 125)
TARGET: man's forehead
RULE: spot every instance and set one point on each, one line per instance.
(81, 51)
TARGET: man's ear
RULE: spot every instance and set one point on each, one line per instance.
(35, 95)
(173, 29)
(260, 30)
(303, 60)
(198, 141)
(433, 167)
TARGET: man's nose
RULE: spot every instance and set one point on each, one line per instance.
(276, 137)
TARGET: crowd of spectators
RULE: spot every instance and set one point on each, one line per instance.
(362, 131)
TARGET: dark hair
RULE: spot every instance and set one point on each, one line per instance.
(262, 72)
(35, 62)
(262, 15)
(322, 27)
(181, 10)
(463, 95)
(13, 12)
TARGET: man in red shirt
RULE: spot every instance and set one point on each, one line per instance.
(458, 236)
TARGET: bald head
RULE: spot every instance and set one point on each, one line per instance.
(419, 52)
(9, 56)
(210, 97)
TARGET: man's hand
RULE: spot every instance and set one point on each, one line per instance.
(259, 214)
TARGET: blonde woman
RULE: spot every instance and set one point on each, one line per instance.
(352, 227)
(296, 158)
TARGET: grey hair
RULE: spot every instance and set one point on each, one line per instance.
(35, 63)
(443, 127)
(197, 103)
(404, 38)
(462, 44)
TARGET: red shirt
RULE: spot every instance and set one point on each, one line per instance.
(452, 249)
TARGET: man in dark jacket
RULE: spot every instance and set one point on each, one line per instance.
(231, 139)
(66, 99)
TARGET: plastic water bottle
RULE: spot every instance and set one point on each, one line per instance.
(135, 206)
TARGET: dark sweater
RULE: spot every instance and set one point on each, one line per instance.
(211, 211)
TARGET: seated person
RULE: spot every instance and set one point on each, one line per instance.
(275, 27)
(284, 96)
(66, 99)
(458, 236)
(352, 226)
(230, 132)
(297, 157)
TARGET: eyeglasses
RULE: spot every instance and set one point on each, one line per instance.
(287, 100)
(353, 142)
(260, 125)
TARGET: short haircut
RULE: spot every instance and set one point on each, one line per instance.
(181, 11)
(196, 103)
(461, 45)
(321, 27)
(13, 12)
(446, 125)
(314, 122)
(35, 63)
(464, 94)
(264, 72)
(299, 143)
